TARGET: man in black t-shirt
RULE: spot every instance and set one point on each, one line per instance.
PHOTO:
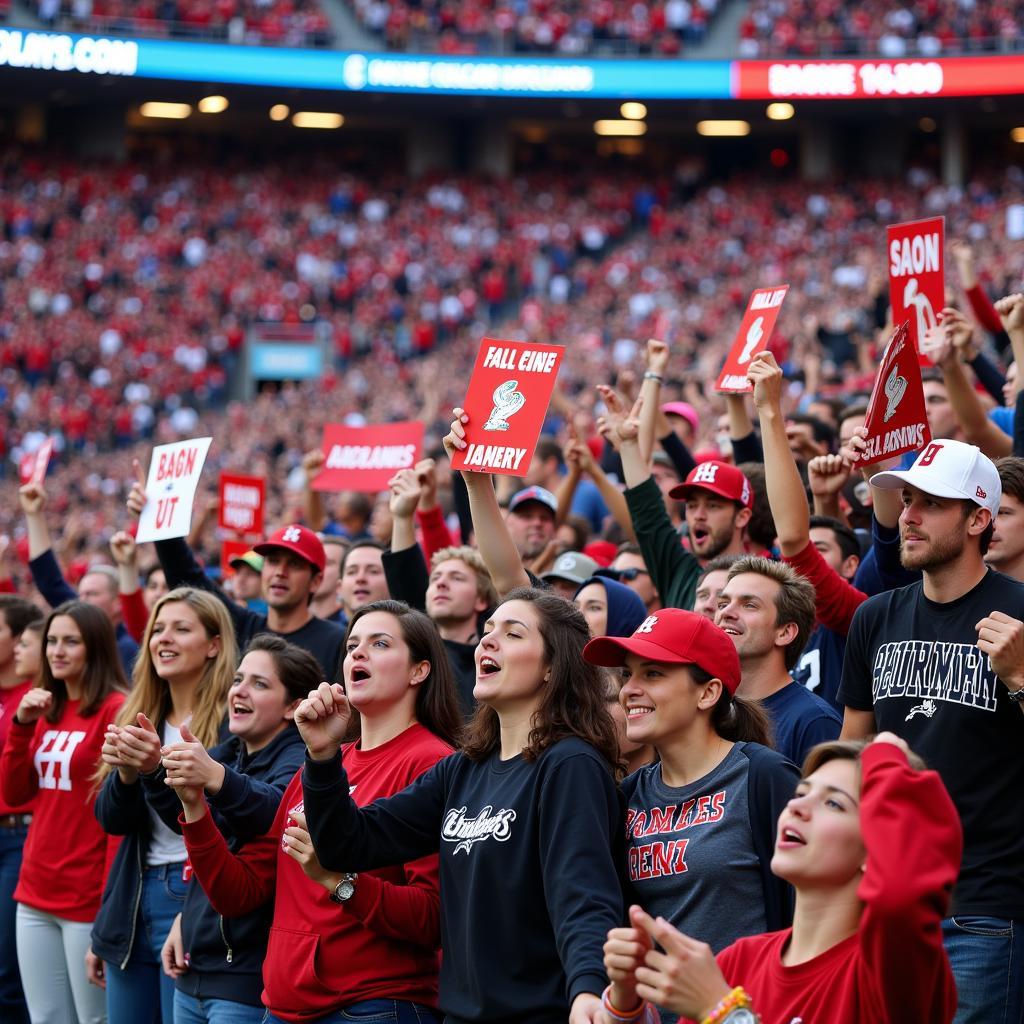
(941, 664)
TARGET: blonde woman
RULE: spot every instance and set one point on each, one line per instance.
(181, 683)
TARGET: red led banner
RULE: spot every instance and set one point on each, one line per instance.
(876, 79)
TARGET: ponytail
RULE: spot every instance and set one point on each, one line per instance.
(735, 718)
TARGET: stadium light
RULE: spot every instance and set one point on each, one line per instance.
(1017, 135)
(316, 119)
(780, 111)
(279, 112)
(613, 127)
(725, 128)
(174, 111)
(213, 104)
(633, 111)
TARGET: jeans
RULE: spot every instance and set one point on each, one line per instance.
(142, 993)
(373, 1011)
(189, 1010)
(51, 955)
(987, 958)
(13, 1009)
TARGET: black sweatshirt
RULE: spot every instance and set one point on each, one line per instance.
(529, 884)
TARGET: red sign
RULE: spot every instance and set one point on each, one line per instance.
(366, 458)
(876, 79)
(506, 403)
(32, 466)
(917, 287)
(231, 549)
(753, 336)
(897, 419)
(242, 499)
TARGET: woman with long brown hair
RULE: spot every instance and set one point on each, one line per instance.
(181, 679)
(51, 755)
(526, 818)
(700, 822)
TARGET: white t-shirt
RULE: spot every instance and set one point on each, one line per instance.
(165, 846)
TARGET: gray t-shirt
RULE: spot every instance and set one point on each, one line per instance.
(690, 852)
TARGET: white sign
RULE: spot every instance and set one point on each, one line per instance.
(174, 473)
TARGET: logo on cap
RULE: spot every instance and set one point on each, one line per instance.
(705, 473)
(292, 535)
(929, 454)
(981, 494)
(647, 626)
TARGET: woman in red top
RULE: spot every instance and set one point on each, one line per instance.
(872, 846)
(51, 755)
(368, 944)
(17, 674)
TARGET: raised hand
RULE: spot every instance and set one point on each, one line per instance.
(455, 439)
(657, 356)
(405, 493)
(1011, 312)
(426, 471)
(827, 474)
(766, 376)
(33, 499)
(123, 548)
(323, 719)
(312, 462)
(137, 495)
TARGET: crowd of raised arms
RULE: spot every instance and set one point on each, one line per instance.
(702, 719)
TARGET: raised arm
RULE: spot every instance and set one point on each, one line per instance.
(650, 392)
(313, 501)
(495, 543)
(786, 494)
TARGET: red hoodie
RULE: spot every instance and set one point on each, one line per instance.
(894, 969)
(382, 944)
(66, 852)
(9, 701)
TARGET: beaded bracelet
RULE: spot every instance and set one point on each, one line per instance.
(617, 1015)
(735, 1000)
(651, 375)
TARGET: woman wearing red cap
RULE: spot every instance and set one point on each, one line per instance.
(701, 821)
(872, 845)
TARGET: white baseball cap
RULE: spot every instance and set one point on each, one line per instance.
(949, 469)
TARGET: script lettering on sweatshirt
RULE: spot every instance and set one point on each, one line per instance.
(465, 831)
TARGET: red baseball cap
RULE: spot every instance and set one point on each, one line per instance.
(719, 478)
(299, 540)
(675, 637)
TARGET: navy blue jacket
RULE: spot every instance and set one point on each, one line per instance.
(226, 955)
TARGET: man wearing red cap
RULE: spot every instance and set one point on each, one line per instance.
(718, 499)
(293, 568)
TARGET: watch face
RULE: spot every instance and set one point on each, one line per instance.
(345, 889)
(741, 1016)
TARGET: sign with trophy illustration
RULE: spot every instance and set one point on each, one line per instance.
(506, 404)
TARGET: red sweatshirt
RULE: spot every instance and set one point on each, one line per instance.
(382, 944)
(434, 531)
(9, 701)
(66, 852)
(836, 599)
(134, 614)
(894, 969)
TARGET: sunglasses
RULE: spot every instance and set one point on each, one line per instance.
(628, 575)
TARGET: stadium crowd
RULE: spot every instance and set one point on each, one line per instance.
(252, 22)
(922, 28)
(400, 724)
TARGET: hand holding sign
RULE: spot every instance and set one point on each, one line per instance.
(32, 498)
(137, 497)
(765, 375)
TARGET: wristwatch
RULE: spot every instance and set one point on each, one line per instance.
(1017, 696)
(741, 1015)
(345, 889)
